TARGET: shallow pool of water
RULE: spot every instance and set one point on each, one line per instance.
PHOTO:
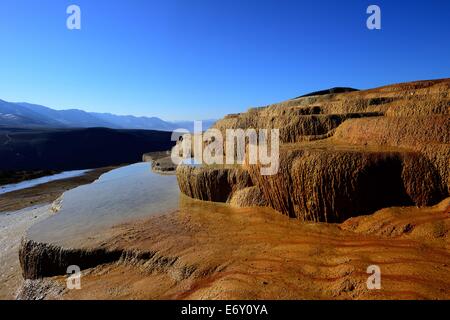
(121, 195)
(35, 182)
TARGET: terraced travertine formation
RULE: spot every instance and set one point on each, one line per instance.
(347, 154)
(207, 250)
(367, 159)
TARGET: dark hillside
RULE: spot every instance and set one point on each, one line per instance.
(71, 149)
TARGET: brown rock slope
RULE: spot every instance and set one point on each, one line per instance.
(348, 154)
(213, 183)
(213, 251)
(248, 197)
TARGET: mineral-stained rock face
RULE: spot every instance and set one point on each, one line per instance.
(348, 154)
(40, 260)
(212, 183)
(429, 135)
(209, 251)
(248, 197)
(334, 184)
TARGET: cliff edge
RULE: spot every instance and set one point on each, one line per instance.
(342, 154)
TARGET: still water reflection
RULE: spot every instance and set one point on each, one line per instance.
(121, 195)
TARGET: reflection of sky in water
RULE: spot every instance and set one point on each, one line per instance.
(35, 182)
(124, 194)
(191, 162)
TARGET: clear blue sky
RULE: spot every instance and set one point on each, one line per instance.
(204, 59)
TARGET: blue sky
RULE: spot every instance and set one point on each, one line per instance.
(191, 59)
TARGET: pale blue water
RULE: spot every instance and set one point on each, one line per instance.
(124, 194)
(35, 182)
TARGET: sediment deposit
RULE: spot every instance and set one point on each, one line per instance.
(347, 154)
(212, 183)
(374, 162)
(13, 226)
(214, 251)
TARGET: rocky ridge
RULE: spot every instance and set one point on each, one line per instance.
(342, 154)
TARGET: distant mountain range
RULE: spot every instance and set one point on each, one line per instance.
(27, 115)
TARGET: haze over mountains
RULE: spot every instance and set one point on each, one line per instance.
(21, 114)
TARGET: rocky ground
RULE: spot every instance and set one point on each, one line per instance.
(364, 180)
(343, 154)
(161, 162)
(8, 177)
(46, 193)
(13, 226)
(20, 210)
(213, 251)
